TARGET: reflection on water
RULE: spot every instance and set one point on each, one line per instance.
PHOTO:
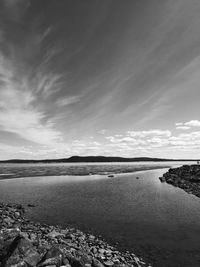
(156, 220)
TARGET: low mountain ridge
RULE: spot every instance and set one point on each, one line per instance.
(83, 159)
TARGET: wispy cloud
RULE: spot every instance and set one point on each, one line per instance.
(193, 123)
(66, 101)
(20, 109)
(182, 127)
(187, 125)
(27, 90)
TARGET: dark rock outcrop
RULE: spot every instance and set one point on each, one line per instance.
(186, 177)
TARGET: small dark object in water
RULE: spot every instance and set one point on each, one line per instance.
(137, 177)
(110, 175)
(31, 205)
(162, 179)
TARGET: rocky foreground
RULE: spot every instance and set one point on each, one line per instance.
(186, 177)
(24, 243)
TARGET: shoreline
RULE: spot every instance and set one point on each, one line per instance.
(27, 243)
(186, 177)
(27, 174)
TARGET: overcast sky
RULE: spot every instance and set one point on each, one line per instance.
(99, 77)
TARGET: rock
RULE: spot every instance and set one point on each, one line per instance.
(97, 263)
(22, 250)
(68, 255)
(162, 179)
(91, 237)
(20, 264)
(53, 252)
(7, 236)
(19, 207)
(94, 250)
(53, 256)
(9, 221)
(195, 179)
(108, 263)
(51, 261)
(65, 261)
(17, 214)
(186, 177)
(54, 234)
(83, 257)
(76, 263)
(101, 251)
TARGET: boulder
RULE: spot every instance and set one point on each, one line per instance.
(162, 179)
(53, 256)
(53, 252)
(22, 250)
(7, 236)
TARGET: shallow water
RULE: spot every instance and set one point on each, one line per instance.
(10, 170)
(155, 220)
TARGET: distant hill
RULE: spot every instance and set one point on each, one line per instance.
(91, 159)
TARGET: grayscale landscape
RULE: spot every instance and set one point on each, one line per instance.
(99, 133)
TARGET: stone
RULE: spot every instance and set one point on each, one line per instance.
(7, 237)
(108, 263)
(68, 255)
(53, 252)
(51, 261)
(54, 234)
(8, 220)
(65, 261)
(22, 250)
(97, 263)
(102, 251)
(162, 179)
(53, 256)
(76, 263)
(20, 264)
(94, 250)
(17, 214)
(91, 237)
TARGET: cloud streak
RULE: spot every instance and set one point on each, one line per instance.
(19, 113)
(69, 73)
(187, 125)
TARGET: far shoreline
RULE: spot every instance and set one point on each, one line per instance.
(95, 159)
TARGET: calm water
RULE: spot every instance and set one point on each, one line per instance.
(155, 220)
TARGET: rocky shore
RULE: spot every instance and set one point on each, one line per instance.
(24, 243)
(186, 177)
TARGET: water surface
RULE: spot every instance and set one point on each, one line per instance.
(155, 220)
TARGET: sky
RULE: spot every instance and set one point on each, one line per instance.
(99, 77)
